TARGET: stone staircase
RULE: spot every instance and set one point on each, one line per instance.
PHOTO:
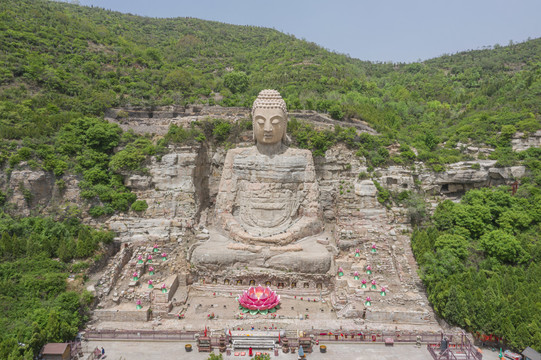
(264, 340)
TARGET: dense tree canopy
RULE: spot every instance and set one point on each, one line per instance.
(38, 305)
(482, 272)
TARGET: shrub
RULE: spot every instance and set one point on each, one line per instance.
(221, 130)
(60, 184)
(383, 194)
(456, 244)
(139, 205)
(363, 175)
(336, 112)
(98, 210)
(236, 81)
(503, 246)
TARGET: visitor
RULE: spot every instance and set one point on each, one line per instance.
(102, 351)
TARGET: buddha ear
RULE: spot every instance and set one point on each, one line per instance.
(286, 140)
(253, 130)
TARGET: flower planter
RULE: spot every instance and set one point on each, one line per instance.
(188, 347)
(322, 348)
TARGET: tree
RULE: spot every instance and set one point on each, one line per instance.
(336, 112)
(221, 130)
(103, 136)
(236, 81)
(431, 141)
(456, 244)
(213, 356)
(503, 246)
(179, 79)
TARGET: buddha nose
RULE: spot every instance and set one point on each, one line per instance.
(268, 126)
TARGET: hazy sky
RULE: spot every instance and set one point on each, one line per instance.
(377, 30)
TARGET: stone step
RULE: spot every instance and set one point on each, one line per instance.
(254, 344)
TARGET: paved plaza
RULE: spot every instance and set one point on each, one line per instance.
(138, 350)
(165, 350)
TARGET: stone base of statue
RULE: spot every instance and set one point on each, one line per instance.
(307, 256)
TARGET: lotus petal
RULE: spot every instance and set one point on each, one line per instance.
(258, 299)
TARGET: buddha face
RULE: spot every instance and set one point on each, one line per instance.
(269, 125)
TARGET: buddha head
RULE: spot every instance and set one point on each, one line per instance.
(269, 117)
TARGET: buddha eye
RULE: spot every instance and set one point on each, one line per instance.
(260, 121)
(275, 121)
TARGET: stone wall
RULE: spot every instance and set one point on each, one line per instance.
(398, 316)
(121, 313)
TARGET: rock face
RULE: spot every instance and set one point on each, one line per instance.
(157, 120)
(31, 188)
(176, 190)
(269, 197)
(521, 141)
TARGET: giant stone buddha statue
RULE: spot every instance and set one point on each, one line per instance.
(267, 211)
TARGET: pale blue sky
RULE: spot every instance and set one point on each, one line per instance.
(377, 30)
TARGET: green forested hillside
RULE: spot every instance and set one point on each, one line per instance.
(65, 58)
(62, 66)
(38, 302)
(481, 263)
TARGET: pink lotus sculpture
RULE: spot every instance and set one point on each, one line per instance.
(138, 303)
(340, 271)
(373, 284)
(151, 270)
(363, 286)
(357, 253)
(383, 291)
(368, 269)
(139, 259)
(373, 248)
(258, 300)
(156, 248)
(368, 301)
(149, 259)
(135, 276)
(164, 256)
(356, 275)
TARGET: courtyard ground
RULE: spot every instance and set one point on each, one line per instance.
(165, 350)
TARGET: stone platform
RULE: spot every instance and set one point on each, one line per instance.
(310, 256)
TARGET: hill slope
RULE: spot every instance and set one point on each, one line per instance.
(87, 59)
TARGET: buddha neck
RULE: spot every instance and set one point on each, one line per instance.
(271, 149)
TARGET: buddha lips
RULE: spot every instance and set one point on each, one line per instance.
(258, 300)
